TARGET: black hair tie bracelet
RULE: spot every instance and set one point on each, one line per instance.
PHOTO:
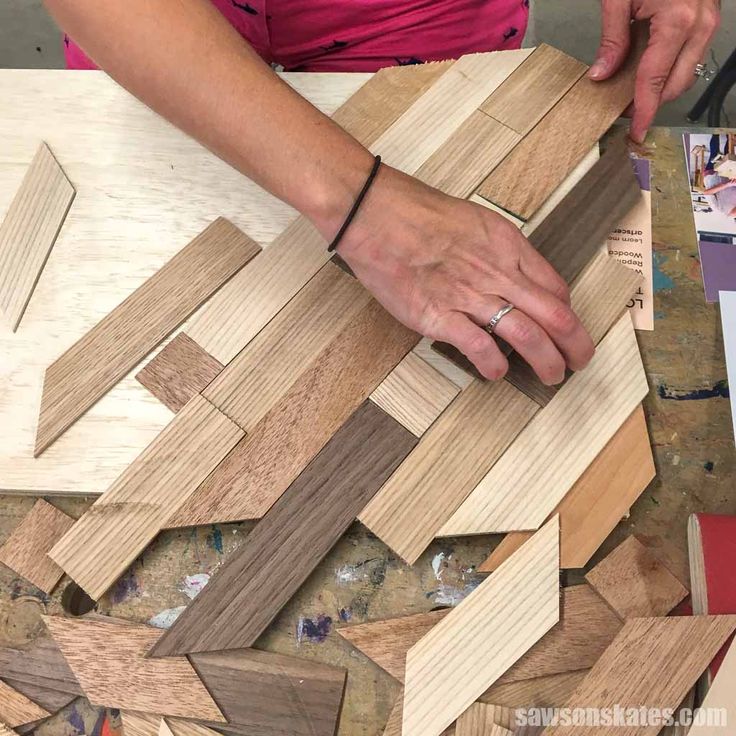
(356, 206)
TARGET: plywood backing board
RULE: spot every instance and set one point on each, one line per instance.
(720, 696)
(123, 521)
(16, 709)
(29, 230)
(464, 654)
(258, 579)
(108, 659)
(178, 371)
(523, 488)
(480, 720)
(531, 91)
(25, 551)
(635, 582)
(95, 363)
(599, 499)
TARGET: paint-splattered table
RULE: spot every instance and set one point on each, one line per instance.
(360, 579)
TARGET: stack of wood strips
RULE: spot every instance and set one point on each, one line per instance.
(300, 402)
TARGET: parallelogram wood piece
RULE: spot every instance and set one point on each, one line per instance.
(29, 231)
(16, 709)
(547, 691)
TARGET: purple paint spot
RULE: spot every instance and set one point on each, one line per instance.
(313, 631)
(126, 587)
(99, 723)
(75, 720)
(345, 614)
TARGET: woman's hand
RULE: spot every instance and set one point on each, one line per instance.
(444, 267)
(680, 34)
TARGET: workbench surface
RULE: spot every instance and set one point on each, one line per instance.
(360, 580)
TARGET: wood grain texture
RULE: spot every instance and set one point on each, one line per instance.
(258, 579)
(599, 499)
(263, 465)
(95, 363)
(180, 727)
(39, 664)
(450, 460)
(108, 659)
(534, 169)
(480, 720)
(393, 725)
(635, 583)
(547, 691)
(630, 672)
(179, 371)
(523, 487)
(464, 654)
(29, 230)
(50, 700)
(415, 394)
(125, 519)
(7, 731)
(140, 724)
(531, 91)
(721, 695)
(16, 709)
(26, 550)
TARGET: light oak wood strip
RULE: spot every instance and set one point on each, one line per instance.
(16, 709)
(531, 91)
(635, 583)
(534, 169)
(598, 500)
(163, 729)
(108, 659)
(7, 731)
(450, 460)
(29, 230)
(393, 725)
(480, 720)
(263, 465)
(415, 394)
(720, 695)
(128, 516)
(50, 700)
(180, 727)
(523, 487)
(26, 550)
(94, 364)
(139, 724)
(272, 362)
(179, 371)
(258, 579)
(460, 377)
(464, 654)
(630, 672)
(538, 692)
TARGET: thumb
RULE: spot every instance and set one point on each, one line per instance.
(615, 39)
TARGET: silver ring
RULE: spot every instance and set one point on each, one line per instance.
(702, 71)
(490, 328)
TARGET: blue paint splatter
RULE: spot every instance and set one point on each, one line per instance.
(659, 315)
(709, 466)
(345, 614)
(661, 280)
(75, 720)
(126, 587)
(313, 631)
(214, 539)
(719, 390)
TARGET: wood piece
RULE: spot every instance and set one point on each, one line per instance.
(598, 500)
(39, 664)
(393, 725)
(125, 519)
(108, 660)
(16, 709)
(25, 551)
(450, 460)
(522, 488)
(163, 729)
(29, 230)
(180, 727)
(7, 731)
(96, 362)
(415, 394)
(538, 692)
(534, 169)
(179, 371)
(635, 583)
(140, 724)
(531, 91)
(720, 696)
(263, 465)
(464, 654)
(480, 720)
(50, 700)
(630, 672)
(259, 578)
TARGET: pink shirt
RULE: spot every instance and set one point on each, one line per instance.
(364, 35)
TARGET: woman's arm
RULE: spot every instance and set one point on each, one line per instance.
(441, 265)
(720, 187)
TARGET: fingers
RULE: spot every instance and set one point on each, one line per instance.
(615, 39)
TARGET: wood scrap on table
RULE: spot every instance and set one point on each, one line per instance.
(29, 230)
(26, 550)
(537, 692)
(16, 709)
(95, 363)
(720, 696)
(6, 730)
(39, 664)
(139, 724)
(50, 700)
(393, 725)
(480, 719)
(180, 727)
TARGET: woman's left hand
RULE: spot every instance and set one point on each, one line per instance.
(680, 34)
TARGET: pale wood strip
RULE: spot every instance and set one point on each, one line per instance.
(127, 517)
(531, 91)
(29, 230)
(720, 697)
(7, 731)
(393, 725)
(599, 499)
(26, 550)
(139, 724)
(96, 362)
(538, 692)
(163, 729)
(179, 727)
(480, 719)
(534, 474)
(415, 394)
(464, 654)
(460, 377)
(16, 709)
(108, 659)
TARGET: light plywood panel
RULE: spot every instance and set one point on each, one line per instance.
(29, 230)
(122, 522)
(16, 709)
(478, 641)
(523, 487)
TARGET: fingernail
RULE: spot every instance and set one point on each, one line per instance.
(599, 68)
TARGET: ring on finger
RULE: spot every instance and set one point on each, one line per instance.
(490, 328)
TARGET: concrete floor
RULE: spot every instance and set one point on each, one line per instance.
(29, 39)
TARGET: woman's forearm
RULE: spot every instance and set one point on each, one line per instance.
(718, 188)
(184, 60)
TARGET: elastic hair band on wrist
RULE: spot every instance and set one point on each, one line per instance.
(356, 206)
